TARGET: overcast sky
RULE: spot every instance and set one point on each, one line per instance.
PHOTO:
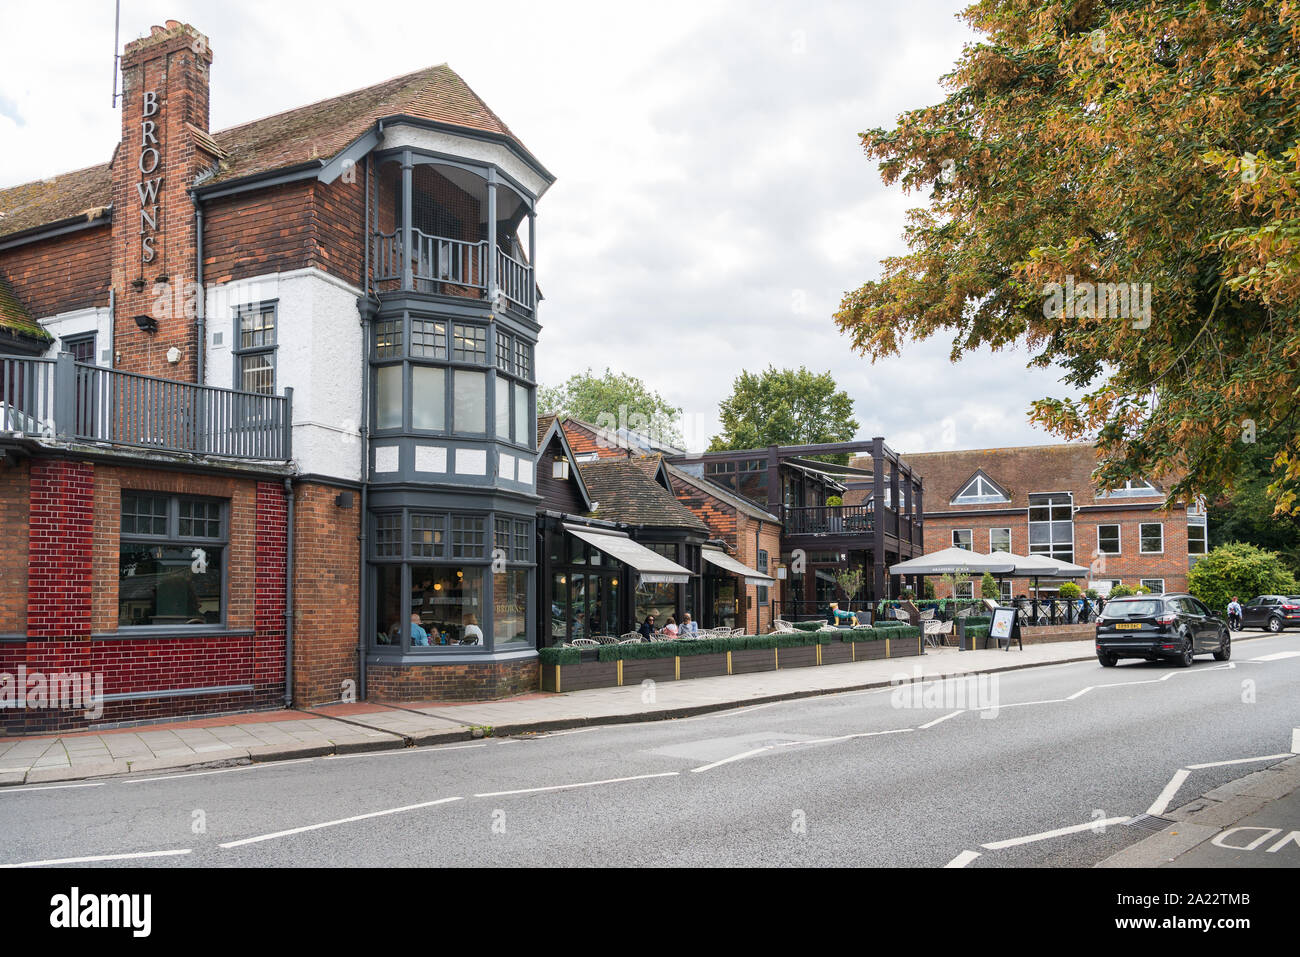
(712, 203)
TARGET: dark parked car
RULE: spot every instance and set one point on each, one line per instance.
(1176, 627)
(1271, 612)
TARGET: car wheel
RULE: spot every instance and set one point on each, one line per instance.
(1275, 625)
(1225, 647)
(1185, 659)
(1107, 660)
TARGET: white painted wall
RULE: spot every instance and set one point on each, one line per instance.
(399, 135)
(318, 355)
(77, 322)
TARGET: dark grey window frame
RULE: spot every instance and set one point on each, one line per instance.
(510, 373)
(407, 361)
(172, 537)
(77, 338)
(238, 351)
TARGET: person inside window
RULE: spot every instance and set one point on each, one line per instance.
(472, 634)
(418, 635)
(647, 628)
(670, 629)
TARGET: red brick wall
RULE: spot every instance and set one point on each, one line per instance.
(340, 211)
(327, 596)
(57, 275)
(15, 492)
(251, 234)
(59, 553)
(271, 546)
(713, 512)
(464, 682)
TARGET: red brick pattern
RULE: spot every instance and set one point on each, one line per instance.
(58, 561)
(15, 489)
(269, 587)
(58, 275)
(462, 682)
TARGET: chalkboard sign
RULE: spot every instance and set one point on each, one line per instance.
(1005, 627)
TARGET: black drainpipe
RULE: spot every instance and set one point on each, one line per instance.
(288, 598)
(364, 310)
(200, 307)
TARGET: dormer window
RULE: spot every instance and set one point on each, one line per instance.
(1133, 488)
(981, 490)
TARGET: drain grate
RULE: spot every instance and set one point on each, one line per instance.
(1149, 822)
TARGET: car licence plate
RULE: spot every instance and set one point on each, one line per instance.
(1131, 627)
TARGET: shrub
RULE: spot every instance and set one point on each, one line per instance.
(1069, 591)
(555, 655)
(1121, 591)
(834, 500)
(1242, 570)
(988, 586)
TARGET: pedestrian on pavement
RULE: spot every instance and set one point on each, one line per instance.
(1234, 614)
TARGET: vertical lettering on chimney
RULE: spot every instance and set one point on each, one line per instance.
(150, 159)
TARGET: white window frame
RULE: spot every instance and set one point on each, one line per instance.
(968, 531)
(1004, 528)
(1029, 524)
(1005, 590)
(1129, 490)
(1119, 538)
(990, 497)
(1142, 550)
(1142, 583)
(967, 586)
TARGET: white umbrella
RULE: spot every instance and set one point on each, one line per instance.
(952, 561)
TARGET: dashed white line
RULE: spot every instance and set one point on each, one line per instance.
(1048, 835)
(962, 859)
(100, 857)
(1080, 693)
(580, 784)
(344, 820)
(1167, 795)
(931, 724)
(1278, 656)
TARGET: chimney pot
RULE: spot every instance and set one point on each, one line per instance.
(155, 30)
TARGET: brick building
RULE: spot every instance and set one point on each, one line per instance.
(1042, 500)
(267, 400)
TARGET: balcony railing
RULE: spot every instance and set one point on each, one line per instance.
(69, 401)
(829, 520)
(454, 266)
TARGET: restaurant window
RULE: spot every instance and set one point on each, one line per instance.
(1151, 538)
(447, 604)
(1108, 540)
(470, 402)
(999, 539)
(963, 538)
(1051, 525)
(255, 346)
(388, 397)
(468, 537)
(171, 560)
(469, 344)
(388, 339)
(510, 579)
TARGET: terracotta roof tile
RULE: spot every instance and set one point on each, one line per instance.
(85, 192)
(626, 492)
(15, 318)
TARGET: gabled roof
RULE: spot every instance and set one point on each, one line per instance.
(549, 430)
(988, 480)
(738, 502)
(314, 133)
(625, 490)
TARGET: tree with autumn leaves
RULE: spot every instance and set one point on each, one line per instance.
(1127, 143)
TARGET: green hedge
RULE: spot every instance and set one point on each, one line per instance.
(707, 646)
(809, 625)
(895, 632)
(555, 655)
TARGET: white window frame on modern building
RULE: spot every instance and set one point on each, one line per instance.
(240, 352)
(1198, 519)
(1119, 538)
(1147, 582)
(1051, 547)
(995, 548)
(980, 490)
(1142, 549)
(1004, 590)
(1133, 488)
(970, 538)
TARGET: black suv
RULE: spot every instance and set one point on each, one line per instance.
(1272, 612)
(1176, 627)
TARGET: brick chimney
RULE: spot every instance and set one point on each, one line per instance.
(164, 148)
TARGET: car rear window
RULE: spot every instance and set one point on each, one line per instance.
(1122, 608)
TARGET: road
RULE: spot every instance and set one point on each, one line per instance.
(861, 778)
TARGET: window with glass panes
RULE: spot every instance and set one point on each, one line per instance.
(1151, 538)
(999, 539)
(962, 538)
(171, 569)
(418, 392)
(1051, 525)
(514, 422)
(255, 345)
(1108, 542)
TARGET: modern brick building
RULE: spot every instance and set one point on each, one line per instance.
(267, 399)
(1042, 500)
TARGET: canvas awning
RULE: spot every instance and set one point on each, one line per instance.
(952, 561)
(1040, 566)
(720, 559)
(653, 568)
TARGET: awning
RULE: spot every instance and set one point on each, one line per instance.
(952, 561)
(653, 568)
(720, 559)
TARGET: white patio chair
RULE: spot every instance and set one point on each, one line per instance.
(935, 631)
(586, 643)
(901, 614)
(634, 640)
(629, 635)
(737, 632)
(927, 614)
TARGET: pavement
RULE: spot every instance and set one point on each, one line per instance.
(350, 728)
(1253, 821)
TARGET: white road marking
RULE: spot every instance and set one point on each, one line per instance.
(1167, 795)
(581, 784)
(931, 724)
(962, 859)
(1080, 693)
(344, 820)
(51, 787)
(1059, 832)
(389, 754)
(1277, 657)
(1295, 741)
(1220, 764)
(734, 757)
(100, 857)
(849, 737)
(199, 774)
(727, 714)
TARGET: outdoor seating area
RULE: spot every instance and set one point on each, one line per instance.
(635, 637)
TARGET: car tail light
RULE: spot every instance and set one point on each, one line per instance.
(1291, 607)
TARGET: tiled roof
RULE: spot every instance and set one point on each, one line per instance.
(625, 491)
(15, 318)
(318, 131)
(543, 426)
(85, 192)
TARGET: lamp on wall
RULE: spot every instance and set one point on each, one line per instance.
(147, 323)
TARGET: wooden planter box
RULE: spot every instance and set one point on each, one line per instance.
(656, 669)
(588, 674)
(805, 657)
(703, 666)
(748, 662)
(837, 653)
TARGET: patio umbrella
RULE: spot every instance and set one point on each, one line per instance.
(1033, 566)
(952, 561)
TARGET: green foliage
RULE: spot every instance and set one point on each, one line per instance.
(785, 407)
(927, 588)
(1093, 593)
(989, 586)
(1122, 591)
(555, 655)
(613, 401)
(1248, 515)
(849, 581)
(1242, 570)
(1152, 146)
(834, 500)
(1069, 591)
(953, 581)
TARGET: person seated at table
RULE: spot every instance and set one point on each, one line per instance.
(418, 635)
(843, 617)
(472, 633)
(670, 628)
(647, 629)
(688, 626)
